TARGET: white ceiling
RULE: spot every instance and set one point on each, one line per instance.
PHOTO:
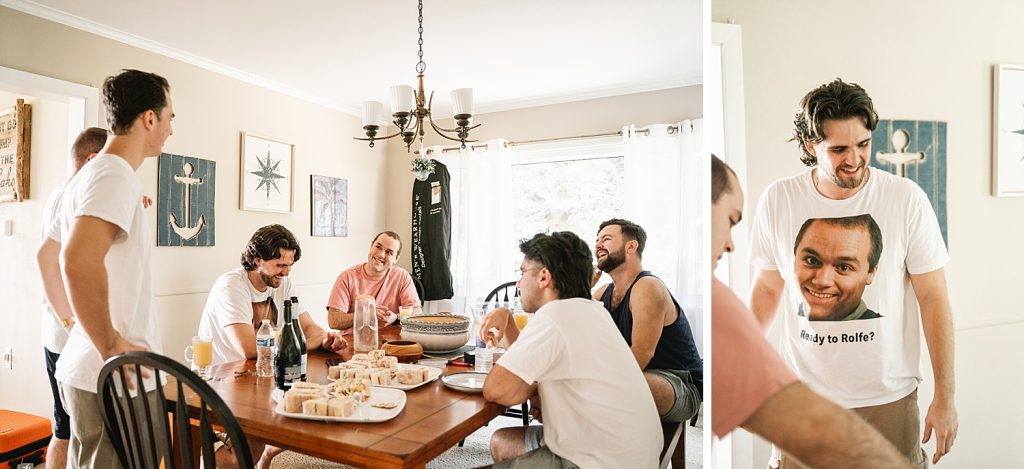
(340, 53)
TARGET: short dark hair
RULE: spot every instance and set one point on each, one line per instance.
(866, 221)
(90, 141)
(837, 100)
(720, 179)
(631, 231)
(131, 93)
(391, 234)
(568, 259)
(266, 243)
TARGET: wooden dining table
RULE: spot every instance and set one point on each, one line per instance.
(434, 419)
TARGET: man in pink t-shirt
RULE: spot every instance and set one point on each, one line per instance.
(391, 286)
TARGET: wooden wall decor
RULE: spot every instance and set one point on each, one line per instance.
(185, 202)
(15, 145)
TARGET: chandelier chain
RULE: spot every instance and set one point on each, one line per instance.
(421, 66)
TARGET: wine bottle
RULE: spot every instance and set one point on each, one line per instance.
(288, 362)
(299, 334)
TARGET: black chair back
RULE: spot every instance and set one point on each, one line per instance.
(500, 295)
(141, 431)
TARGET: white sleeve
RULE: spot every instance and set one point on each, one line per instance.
(52, 227)
(762, 246)
(231, 304)
(539, 353)
(926, 251)
(110, 197)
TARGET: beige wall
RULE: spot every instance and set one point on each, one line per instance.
(921, 61)
(211, 112)
(559, 120)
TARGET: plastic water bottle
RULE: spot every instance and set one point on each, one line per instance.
(265, 350)
(484, 359)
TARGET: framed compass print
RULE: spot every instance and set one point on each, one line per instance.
(267, 176)
(1008, 130)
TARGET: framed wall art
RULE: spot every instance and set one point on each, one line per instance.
(15, 145)
(329, 216)
(267, 176)
(186, 190)
(1008, 130)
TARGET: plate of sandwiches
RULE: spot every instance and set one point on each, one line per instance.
(340, 402)
(383, 371)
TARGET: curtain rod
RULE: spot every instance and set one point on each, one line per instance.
(646, 131)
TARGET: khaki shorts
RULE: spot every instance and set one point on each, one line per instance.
(537, 455)
(90, 446)
(899, 422)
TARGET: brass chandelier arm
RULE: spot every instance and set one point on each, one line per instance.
(378, 138)
(444, 133)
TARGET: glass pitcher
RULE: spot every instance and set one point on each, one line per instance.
(364, 325)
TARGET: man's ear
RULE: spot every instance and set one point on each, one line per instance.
(633, 244)
(544, 277)
(871, 275)
(809, 147)
(91, 156)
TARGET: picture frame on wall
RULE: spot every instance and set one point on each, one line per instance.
(329, 199)
(1008, 130)
(267, 174)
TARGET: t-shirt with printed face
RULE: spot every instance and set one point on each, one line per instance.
(850, 332)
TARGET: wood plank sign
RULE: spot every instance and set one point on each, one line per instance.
(15, 133)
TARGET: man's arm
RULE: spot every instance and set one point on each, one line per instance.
(937, 321)
(338, 319)
(242, 338)
(48, 260)
(765, 296)
(85, 277)
(820, 433)
(649, 303)
(502, 321)
(505, 388)
(600, 292)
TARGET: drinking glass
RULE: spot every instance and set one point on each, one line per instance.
(200, 353)
(522, 318)
(404, 311)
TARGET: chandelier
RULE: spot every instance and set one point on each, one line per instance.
(409, 119)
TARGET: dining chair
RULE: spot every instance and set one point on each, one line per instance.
(143, 434)
(674, 450)
(499, 297)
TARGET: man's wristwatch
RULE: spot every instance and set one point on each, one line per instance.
(67, 322)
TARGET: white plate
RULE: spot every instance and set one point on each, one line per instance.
(468, 381)
(364, 412)
(432, 374)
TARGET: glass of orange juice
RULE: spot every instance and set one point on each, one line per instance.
(521, 319)
(200, 353)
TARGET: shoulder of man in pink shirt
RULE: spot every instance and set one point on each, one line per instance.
(341, 293)
(397, 289)
(745, 370)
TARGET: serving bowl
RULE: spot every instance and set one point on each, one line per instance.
(436, 323)
(438, 342)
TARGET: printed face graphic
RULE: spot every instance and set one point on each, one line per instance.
(832, 269)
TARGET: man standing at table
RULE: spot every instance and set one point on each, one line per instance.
(391, 286)
(752, 388)
(102, 233)
(650, 320)
(572, 363)
(242, 298)
(875, 369)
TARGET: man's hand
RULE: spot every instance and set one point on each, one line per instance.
(146, 201)
(121, 346)
(535, 410)
(942, 418)
(383, 314)
(495, 325)
(333, 342)
(595, 277)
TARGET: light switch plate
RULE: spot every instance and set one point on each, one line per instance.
(8, 357)
(8, 227)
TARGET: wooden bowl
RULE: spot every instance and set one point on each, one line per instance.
(406, 351)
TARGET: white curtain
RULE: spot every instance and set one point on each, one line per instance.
(667, 193)
(482, 221)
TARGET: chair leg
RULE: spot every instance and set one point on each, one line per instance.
(526, 413)
(462, 443)
(679, 455)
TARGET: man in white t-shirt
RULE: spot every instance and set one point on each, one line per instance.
(57, 318)
(102, 235)
(242, 298)
(871, 366)
(571, 362)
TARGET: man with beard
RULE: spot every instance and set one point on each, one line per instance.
(391, 286)
(836, 259)
(878, 379)
(650, 320)
(241, 299)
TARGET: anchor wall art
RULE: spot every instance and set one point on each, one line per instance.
(915, 150)
(267, 174)
(186, 187)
